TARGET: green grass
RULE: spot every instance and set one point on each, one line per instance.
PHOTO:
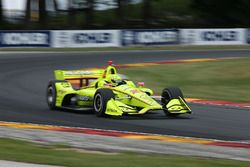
(227, 80)
(27, 152)
(175, 47)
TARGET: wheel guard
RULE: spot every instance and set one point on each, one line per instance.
(117, 108)
(177, 106)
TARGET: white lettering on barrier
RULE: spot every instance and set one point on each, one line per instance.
(92, 38)
(235, 36)
(220, 35)
(24, 39)
(127, 37)
(156, 37)
(86, 38)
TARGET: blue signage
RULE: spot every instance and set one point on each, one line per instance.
(25, 39)
(150, 37)
(98, 37)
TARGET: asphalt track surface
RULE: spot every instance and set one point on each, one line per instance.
(24, 77)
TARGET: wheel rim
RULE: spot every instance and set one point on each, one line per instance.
(98, 103)
(165, 97)
(50, 96)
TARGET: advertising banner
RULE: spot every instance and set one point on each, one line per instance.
(150, 37)
(213, 36)
(24, 39)
(88, 38)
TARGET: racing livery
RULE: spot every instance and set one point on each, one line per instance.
(105, 92)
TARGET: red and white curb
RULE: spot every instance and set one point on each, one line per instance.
(217, 102)
(127, 135)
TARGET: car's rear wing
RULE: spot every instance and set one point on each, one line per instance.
(77, 74)
(78, 78)
(81, 78)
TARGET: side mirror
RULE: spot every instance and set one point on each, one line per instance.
(140, 84)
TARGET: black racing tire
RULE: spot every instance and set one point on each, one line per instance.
(169, 94)
(101, 98)
(51, 95)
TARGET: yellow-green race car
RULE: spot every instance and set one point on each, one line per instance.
(105, 92)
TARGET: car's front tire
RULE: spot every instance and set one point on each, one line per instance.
(169, 94)
(101, 98)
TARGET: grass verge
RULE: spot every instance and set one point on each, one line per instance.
(143, 48)
(22, 151)
(227, 80)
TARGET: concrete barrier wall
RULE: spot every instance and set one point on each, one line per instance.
(122, 38)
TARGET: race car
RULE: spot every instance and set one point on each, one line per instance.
(106, 92)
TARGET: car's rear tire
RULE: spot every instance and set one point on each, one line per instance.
(169, 94)
(51, 95)
(101, 98)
